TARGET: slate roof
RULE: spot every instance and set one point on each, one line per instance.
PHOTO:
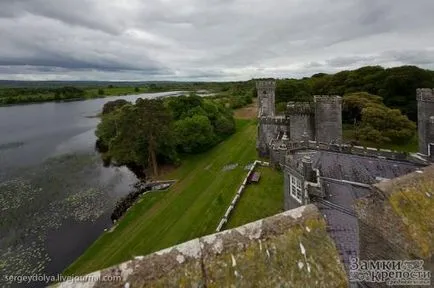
(341, 219)
(363, 169)
(337, 207)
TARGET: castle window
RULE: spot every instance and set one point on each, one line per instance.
(295, 188)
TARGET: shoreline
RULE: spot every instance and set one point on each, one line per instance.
(83, 99)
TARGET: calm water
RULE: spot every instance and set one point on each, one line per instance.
(55, 195)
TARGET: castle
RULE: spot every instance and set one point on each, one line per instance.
(339, 205)
(306, 144)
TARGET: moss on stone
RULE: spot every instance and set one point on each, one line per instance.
(411, 200)
(279, 261)
(291, 249)
(416, 210)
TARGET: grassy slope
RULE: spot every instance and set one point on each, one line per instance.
(191, 208)
(259, 200)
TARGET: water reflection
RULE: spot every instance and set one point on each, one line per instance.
(55, 195)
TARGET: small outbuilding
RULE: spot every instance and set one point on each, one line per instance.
(254, 177)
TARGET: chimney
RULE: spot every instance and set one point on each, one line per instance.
(309, 173)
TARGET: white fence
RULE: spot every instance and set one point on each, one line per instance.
(237, 196)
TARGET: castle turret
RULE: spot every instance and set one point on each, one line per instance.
(425, 119)
(302, 121)
(266, 97)
(328, 119)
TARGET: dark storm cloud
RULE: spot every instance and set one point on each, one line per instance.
(211, 40)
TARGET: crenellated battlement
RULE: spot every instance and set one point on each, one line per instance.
(332, 99)
(425, 94)
(274, 120)
(266, 84)
(291, 146)
(299, 108)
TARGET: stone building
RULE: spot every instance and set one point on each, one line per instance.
(320, 120)
(306, 144)
(342, 202)
(425, 115)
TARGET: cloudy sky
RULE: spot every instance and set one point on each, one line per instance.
(209, 39)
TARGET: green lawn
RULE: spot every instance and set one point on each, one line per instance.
(259, 200)
(191, 208)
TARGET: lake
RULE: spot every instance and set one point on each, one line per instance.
(55, 195)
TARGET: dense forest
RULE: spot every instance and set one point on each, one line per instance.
(156, 131)
(397, 86)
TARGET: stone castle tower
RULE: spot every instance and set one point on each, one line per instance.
(266, 97)
(328, 119)
(320, 120)
(301, 116)
(425, 119)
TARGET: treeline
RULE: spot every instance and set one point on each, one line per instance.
(397, 86)
(231, 94)
(375, 122)
(235, 94)
(156, 131)
(34, 95)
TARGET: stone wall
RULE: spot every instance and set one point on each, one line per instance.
(395, 220)
(291, 249)
(328, 119)
(301, 125)
(291, 146)
(425, 118)
(266, 97)
(269, 128)
(311, 183)
(301, 117)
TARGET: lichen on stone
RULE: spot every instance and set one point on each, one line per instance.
(265, 253)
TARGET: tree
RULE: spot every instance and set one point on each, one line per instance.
(194, 134)
(100, 91)
(136, 134)
(384, 125)
(136, 89)
(154, 121)
(113, 105)
(224, 126)
(354, 103)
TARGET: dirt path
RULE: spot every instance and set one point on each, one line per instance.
(248, 112)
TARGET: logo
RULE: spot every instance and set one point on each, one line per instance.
(391, 272)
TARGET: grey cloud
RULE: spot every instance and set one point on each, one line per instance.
(210, 40)
(350, 60)
(414, 57)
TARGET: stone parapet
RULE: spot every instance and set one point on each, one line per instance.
(291, 146)
(264, 84)
(332, 99)
(299, 108)
(425, 94)
(274, 120)
(289, 248)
